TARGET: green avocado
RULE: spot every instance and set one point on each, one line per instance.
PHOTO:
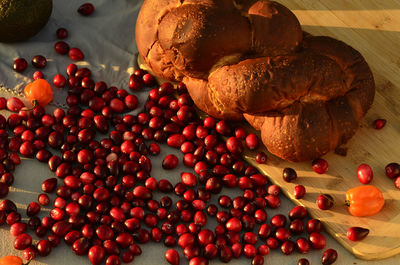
(22, 19)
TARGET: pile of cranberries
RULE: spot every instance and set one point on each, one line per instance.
(105, 207)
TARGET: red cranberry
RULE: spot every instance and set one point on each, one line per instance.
(198, 261)
(225, 254)
(22, 241)
(234, 145)
(261, 158)
(14, 104)
(296, 226)
(263, 250)
(250, 251)
(325, 201)
(282, 234)
(76, 54)
(96, 255)
(317, 240)
(62, 33)
(365, 173)
(20, 65)
(278, 220)
(188, 179)
(299, 191)
(172, 256)
(357, 233)
(303, 246)
(320, 165)
(289, 174)
(287, 247)
(59, 81)
(314, 225)
(258, 260)
(329, 256)
(39, 61)
(392, 170)
(33, 209)
(273, 201)
(298, 212)
(43, 247)
(379, 123)
(61, 47)
(303, 261)
(170, 162)
(86, 9)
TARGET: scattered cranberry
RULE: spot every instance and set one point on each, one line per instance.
(61, 47)
(39, 61)
(289, 174)
(59, 81)
(14, 104)
(317, 240)
(287, 247)
(392, 170)
(329, 256)
(62, 33)
(320, 165)
(299, 192)
(76, 54)
(303, 261)
(379, 123)
(365, 173)
(86, 9)
(356, 233)
(172, 256)
(261, 158)
(37, 75)
(20, 65)
(170, 162)
(325, 201)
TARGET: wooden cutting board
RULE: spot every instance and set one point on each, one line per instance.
(374, 29)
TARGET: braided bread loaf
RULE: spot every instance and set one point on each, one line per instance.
(249, 58)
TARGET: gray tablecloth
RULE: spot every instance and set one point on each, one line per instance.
(107, 39)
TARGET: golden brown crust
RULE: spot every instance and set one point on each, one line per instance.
(250, 58)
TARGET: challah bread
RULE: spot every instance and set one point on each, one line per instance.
(306, 94)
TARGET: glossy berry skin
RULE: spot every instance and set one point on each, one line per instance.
(172, 256)
(325, 201)
(317, 240)
(303, 261)
(379, 123)
(39, 61)
(20, 65)
(356, 233)
(319, 165)
(96, 255)
(289, 174)
(86, 9)
(62, 33)
(299, 192)
(170, 162)
(287, 247)
(329, 257)
(365, 173)
(392, 170)
(76, 54)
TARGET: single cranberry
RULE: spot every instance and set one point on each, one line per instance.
(314, 225)
(303, 261)
(258, 260)
(62, 33)
(86, 9)
(39, 61)
(170, 162)
(20, 65)
(172, 256)
(250, 251)
(392, 170)
(149, 80)
(22, 241)
(287, 247)
(278, 220)
(329, 256)
(303, 246)
(357, 233)
(273, 201)
(299, 191)
(96, 255)
(234, 145)
(33, 209)
(289, 174)
(325, 201)
(298, 212)
(198, 261)
(296, 226)
(76, 54)
(61, 47)
(379, 123)
(43, 247)
(261, 158)
(59, 81)
(14, 104)
(365, 173)
(319, 165)
(225, 254)
(317, 240)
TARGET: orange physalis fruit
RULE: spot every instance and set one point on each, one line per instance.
(11, 260)
(39, 92)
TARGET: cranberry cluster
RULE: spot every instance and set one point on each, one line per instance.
(104, 206)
